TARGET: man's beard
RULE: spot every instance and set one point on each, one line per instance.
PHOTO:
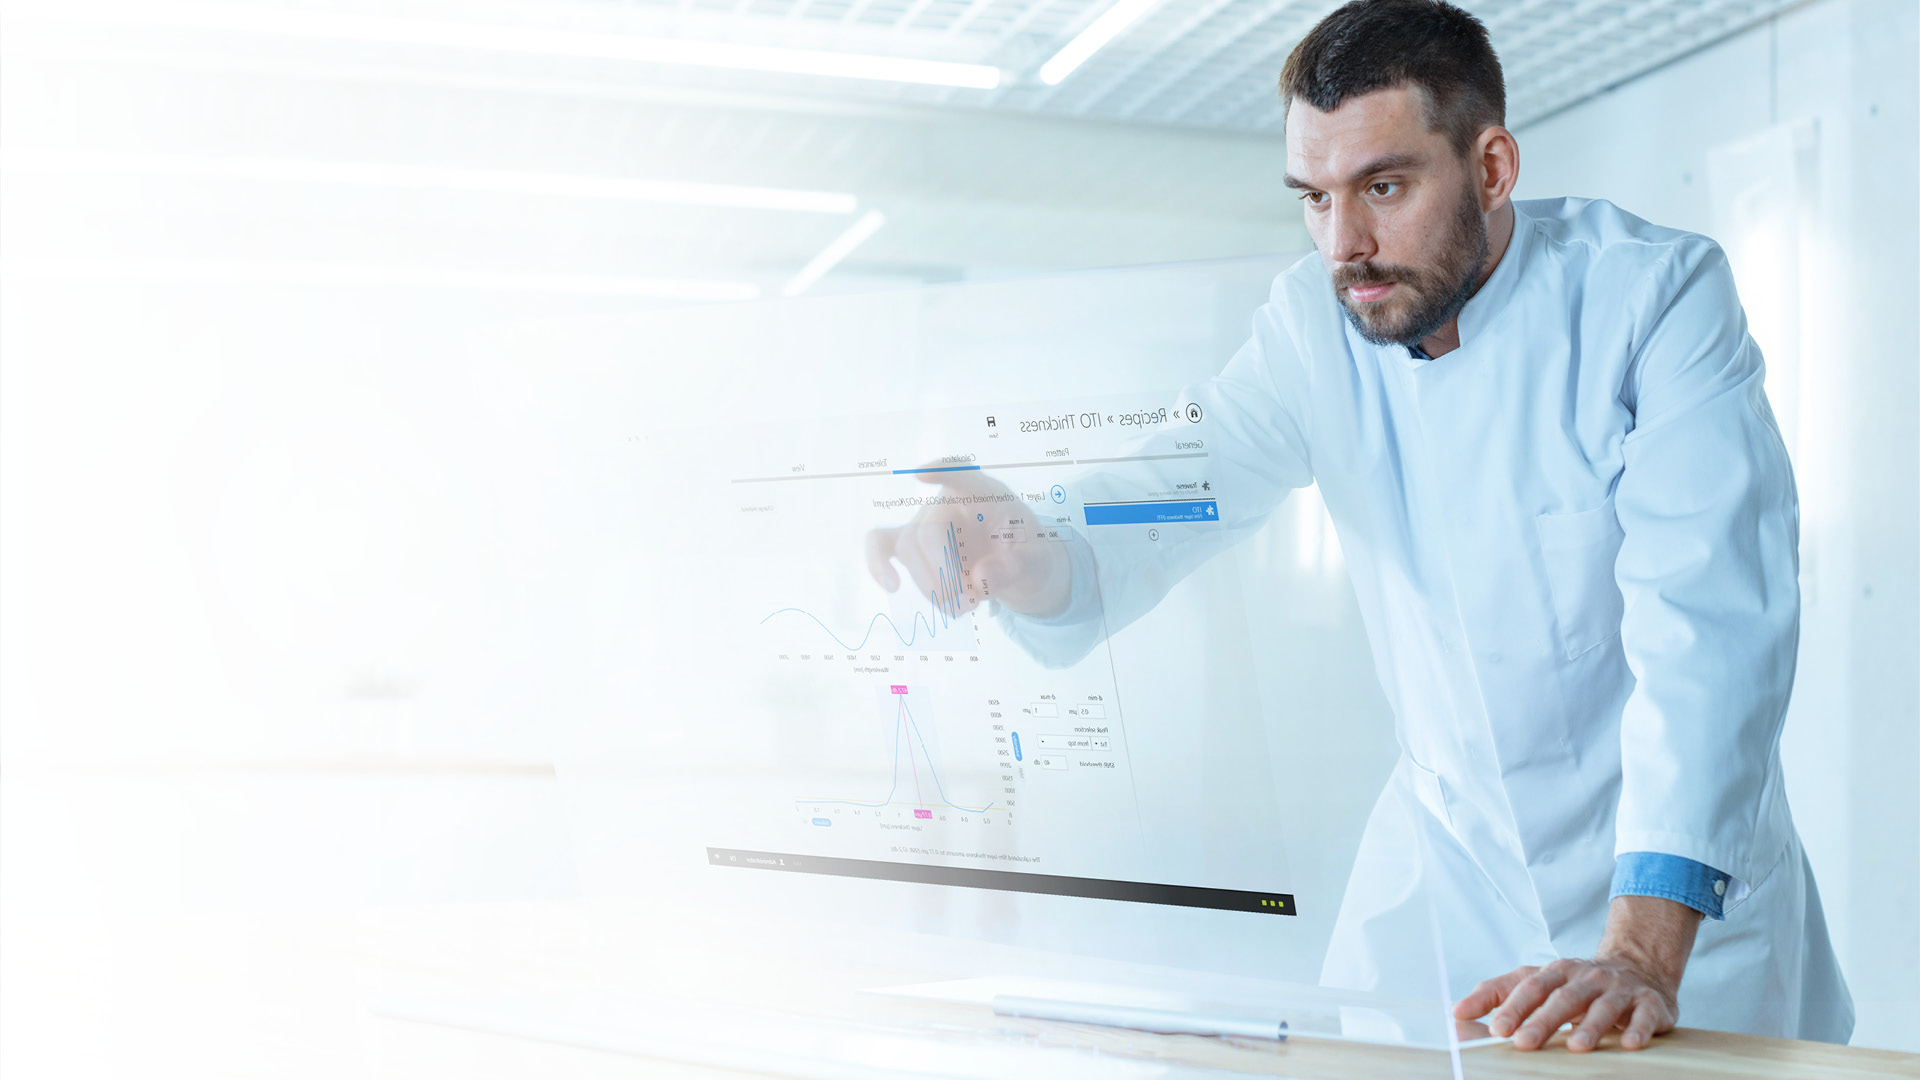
(1428, 298)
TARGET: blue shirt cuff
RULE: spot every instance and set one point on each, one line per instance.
(1670, 877)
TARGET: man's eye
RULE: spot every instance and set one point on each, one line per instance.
(1383, 188)
(1313, 198)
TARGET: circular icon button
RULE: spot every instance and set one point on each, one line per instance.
(1153, 534)
(1059, 493)
(1193, 412)
(979, 517)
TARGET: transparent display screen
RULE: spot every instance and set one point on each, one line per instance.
(813, 705)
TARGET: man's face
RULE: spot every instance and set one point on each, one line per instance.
(1391, 208)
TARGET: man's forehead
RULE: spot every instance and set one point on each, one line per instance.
(1383, 125)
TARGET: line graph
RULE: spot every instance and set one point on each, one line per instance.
(903, 725)
(944, 604)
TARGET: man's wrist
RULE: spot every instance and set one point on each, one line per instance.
(1056, 582)
(1652, 935)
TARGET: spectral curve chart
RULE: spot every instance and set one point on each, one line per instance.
(903, 722)
(944, 604)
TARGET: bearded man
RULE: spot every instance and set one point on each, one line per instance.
(1541, 431)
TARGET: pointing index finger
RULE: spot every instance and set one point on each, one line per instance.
(880, 551)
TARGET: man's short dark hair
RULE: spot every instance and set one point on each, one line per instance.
(1370, 45)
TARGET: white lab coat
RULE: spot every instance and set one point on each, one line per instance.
(1575, 544)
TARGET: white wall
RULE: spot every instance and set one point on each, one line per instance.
(1843, 73)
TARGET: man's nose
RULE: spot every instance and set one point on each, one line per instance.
(1351, 231)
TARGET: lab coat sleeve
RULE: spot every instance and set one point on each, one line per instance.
(1709, 570)
(1257, 437)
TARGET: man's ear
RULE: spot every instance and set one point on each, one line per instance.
(1496, 164)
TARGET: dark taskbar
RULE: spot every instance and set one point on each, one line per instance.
(1138, 892)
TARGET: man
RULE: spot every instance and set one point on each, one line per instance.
(1541, 433)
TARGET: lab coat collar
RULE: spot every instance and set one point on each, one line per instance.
(1484, 308)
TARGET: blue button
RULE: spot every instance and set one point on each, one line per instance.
(1059, 494)
(1152, 513)
(823, 821)
(1016, 746)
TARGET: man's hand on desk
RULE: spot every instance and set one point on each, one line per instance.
(1632, 982)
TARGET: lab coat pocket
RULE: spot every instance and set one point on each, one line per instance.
(1579, 550)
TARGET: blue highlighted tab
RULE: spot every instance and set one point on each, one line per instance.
(1152, 513)
(1016, 745)
(823, 821)
(937, 468)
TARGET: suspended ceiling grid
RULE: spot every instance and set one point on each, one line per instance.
(1201, 63)
(1198, 63)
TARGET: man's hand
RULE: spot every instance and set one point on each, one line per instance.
(1029, 575)
(1632, 982)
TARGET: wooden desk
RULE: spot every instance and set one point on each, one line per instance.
(1685, 1052)
(286, 994)
(835, 996)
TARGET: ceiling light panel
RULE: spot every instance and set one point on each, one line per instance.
(389, 174)
(533, 38)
